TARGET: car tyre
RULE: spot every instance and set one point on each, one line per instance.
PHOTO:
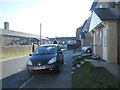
(57, 70)
(88, 50)
(62, 61)
(30, 72)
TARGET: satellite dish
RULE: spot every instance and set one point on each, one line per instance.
(112, 4)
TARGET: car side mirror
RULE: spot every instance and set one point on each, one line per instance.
(30, 54)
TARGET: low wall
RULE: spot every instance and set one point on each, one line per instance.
(9, 52)
(72, 46)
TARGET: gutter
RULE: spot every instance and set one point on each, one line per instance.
(118, 33)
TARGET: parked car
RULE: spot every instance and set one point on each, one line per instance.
(46, 57)
(63, 47)
(87, 48)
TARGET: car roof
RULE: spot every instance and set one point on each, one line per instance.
(50, 45)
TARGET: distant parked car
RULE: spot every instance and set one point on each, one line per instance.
(46, 57)
(87, 48)
(63, 47)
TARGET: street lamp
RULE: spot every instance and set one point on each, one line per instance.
(40, 34)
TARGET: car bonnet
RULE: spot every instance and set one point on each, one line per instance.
(42, 58)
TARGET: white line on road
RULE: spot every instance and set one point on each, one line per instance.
(27, 81)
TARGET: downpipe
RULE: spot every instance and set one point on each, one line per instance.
(118, 30)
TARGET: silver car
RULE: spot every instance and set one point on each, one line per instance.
(87, 48)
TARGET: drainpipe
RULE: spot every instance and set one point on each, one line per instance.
(118, 32)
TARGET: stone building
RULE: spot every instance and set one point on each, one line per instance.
(83, 34)
(11, 37)
(104, 27)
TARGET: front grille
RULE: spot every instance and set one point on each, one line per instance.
(39, 63)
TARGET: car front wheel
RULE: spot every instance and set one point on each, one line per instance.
(88, 51)
(30, 72)
(62, 62)
(58, 68)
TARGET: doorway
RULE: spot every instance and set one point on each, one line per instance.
(105, 43)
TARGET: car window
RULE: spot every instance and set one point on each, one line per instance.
(45, 50)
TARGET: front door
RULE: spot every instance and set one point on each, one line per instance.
(105, 43)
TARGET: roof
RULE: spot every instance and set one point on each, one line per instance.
(86, 25)
(63, 38)
(79, 29)
(94, 4)
(105, 14)
(19, 34)
(49, 45)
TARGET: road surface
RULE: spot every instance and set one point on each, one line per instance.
(22, 79)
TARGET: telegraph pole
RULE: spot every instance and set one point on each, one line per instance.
(40, 34)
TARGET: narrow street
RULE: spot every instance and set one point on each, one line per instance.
(42, 79)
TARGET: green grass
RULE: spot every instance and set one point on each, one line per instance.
(88, 76)
(87, 57)
(76, 56)
(9, 52)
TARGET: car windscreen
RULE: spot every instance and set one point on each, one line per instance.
(45, 50)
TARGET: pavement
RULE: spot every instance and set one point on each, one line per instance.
(112, 68)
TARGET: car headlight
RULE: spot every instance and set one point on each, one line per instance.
(29, 62)
(52, 60)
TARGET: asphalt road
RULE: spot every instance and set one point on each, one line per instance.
(13, 66)
(16, 76)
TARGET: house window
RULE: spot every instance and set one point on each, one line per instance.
(97, 38)
(82, 35)
(69, 42)
(100, 37)
(101, 6)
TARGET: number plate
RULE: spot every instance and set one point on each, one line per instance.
(39, 68)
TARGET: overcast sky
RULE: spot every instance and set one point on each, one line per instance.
(58, 17)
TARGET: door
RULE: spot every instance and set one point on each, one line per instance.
(105, 43)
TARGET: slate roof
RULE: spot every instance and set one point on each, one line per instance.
(93, 5)
(79, 29)
(105, 14)
(18, 34)
(86, 25)
(63, 38)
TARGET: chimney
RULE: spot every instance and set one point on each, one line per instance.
(6, 25)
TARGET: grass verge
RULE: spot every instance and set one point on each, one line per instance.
(88, 76)
(9, 52)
